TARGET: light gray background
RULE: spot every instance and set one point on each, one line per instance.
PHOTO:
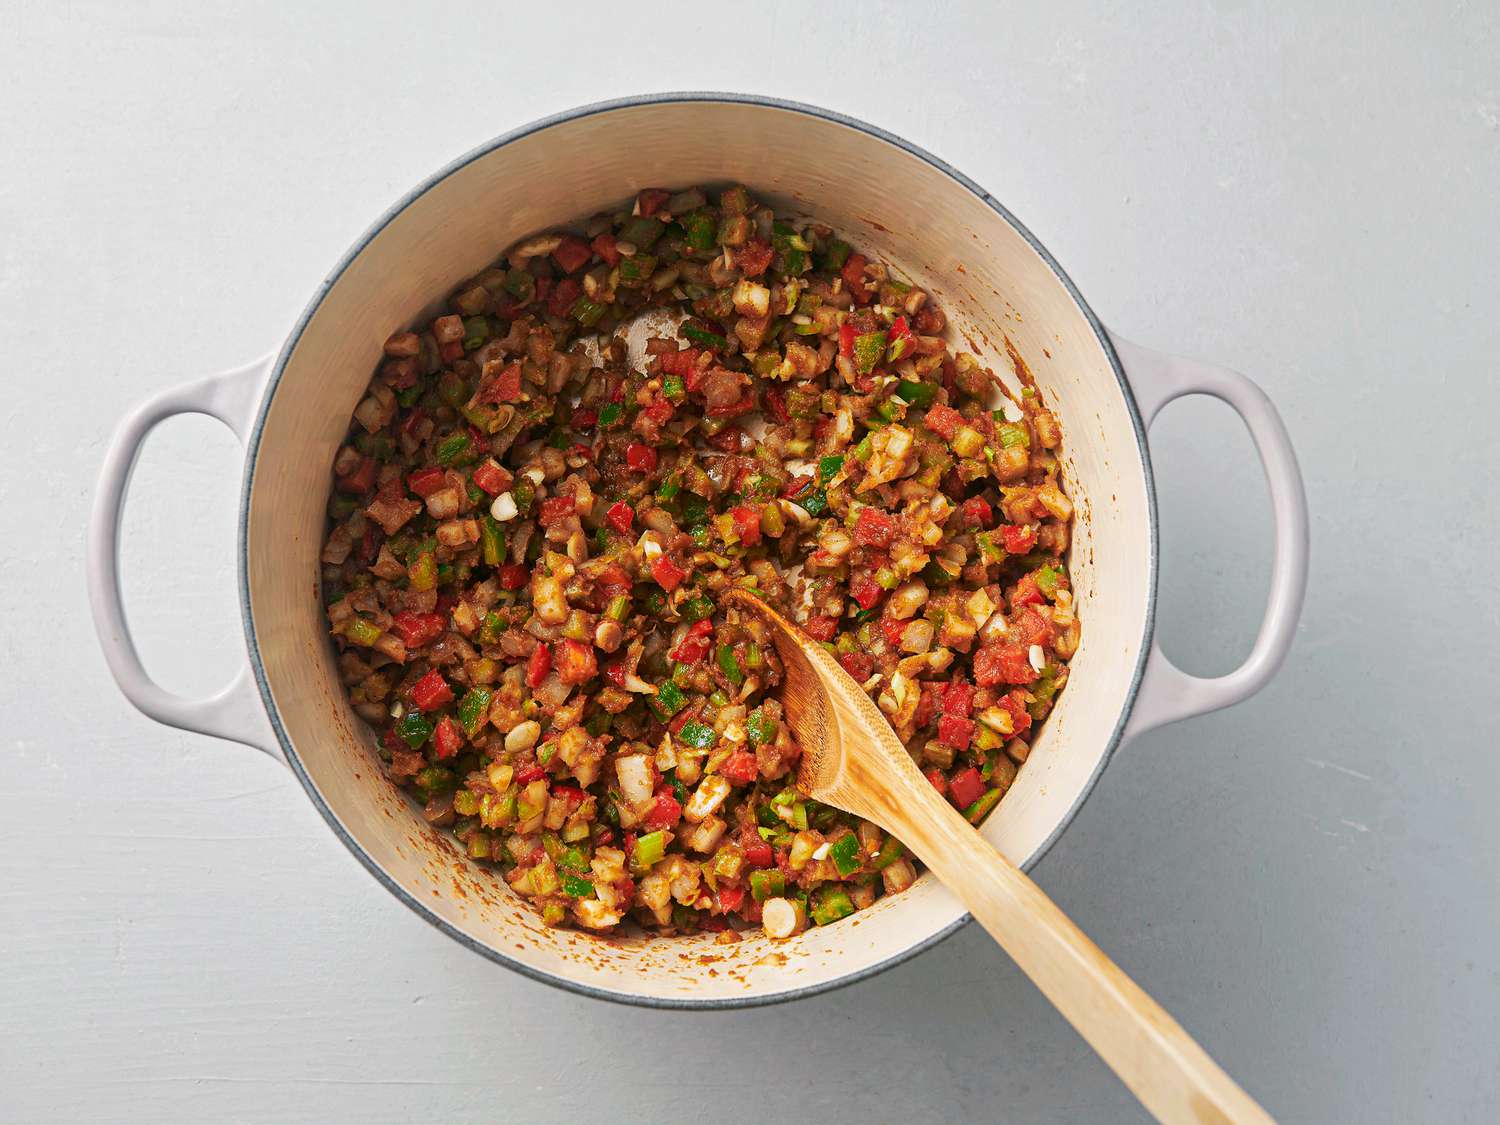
(1308, 882)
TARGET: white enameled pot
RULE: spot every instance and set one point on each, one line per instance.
(996, 283)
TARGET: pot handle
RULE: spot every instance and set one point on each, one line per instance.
(234, 713)
(1167, 693)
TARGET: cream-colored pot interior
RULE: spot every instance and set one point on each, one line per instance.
(993, 283)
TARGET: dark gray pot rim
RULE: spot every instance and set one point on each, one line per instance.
(253, 452)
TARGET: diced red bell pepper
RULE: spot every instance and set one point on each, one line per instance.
(1014, 704)
(740, 768)
(892, 628)
(525, 775)
(424, 482)
(821, 628)
(958, 698)
(976, 512)
(512, 576)
(866, 591)
(691, 650)
(641, 458)
(650, 200)
(1003, 663)
(620, 516)
(731, 896)
(418, 629)
(955, 732)
(614, 579)
(668, 574)
(857, 664)
(447, 738)
(665, 813)
(900, 329)
(943, 420)
(1017, 539)
(754, 257)
(584, 418)
(746, 524)
(1026, 592)
(936, 779)
(538, 665)
(576, 662)
(660, 411)
(776, 403)
(1035, 628)
(556, 509)
(759, 854)
(361, 479)
(846, 339)
(874, 528)
(431, 691)
(966, 787)
(505, 387)
(489, 476)
(701, 628)
(614, 672)
(564, 294)
(572, 253)
(570, 793)
(853, 274)
(604, 246)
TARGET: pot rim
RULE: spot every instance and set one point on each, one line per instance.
(253, 441)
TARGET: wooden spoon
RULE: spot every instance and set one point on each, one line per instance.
(852, 759)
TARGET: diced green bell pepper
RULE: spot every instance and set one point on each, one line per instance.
(845, 854)
(696, 608)
(668, 700)
(830, 904)
(413, 729)
(729, 664)
(641, 231)
(473, 709)
(868, 348)
(760, 727)
(576, 887)
(766, 884)
(696, 734)
(917, 394)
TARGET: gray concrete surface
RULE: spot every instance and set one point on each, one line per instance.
(1308, 881)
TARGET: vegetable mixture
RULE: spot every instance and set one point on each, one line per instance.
(529, 533)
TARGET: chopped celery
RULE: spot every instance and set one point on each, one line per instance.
(649, 849)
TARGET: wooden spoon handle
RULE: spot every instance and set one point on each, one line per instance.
(1171, 1075)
